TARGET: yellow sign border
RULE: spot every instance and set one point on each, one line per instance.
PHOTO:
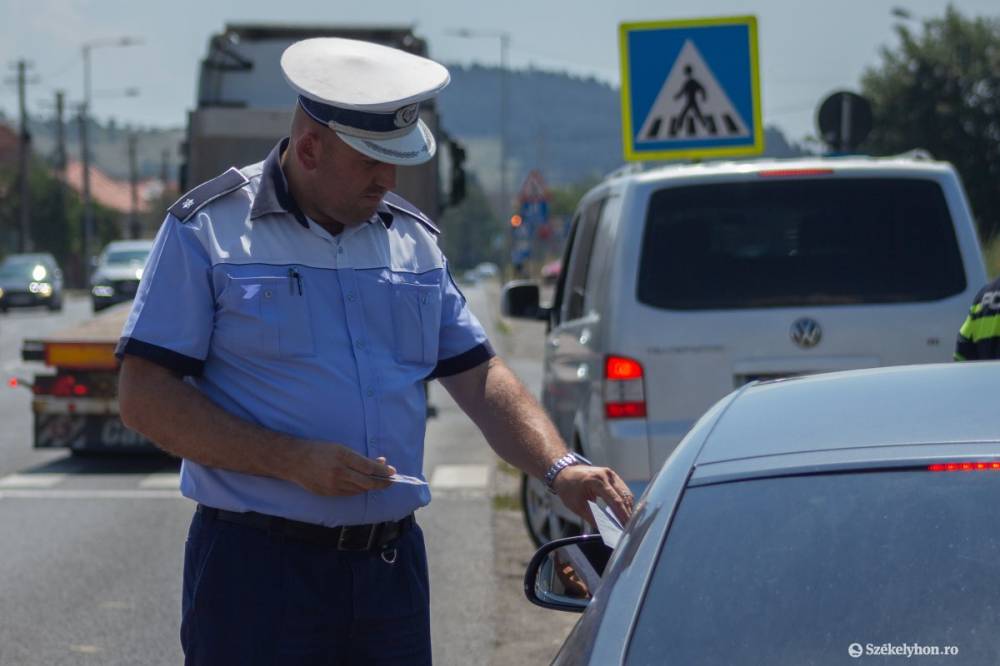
(628, 143)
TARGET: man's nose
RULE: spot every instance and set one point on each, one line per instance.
(385, 176)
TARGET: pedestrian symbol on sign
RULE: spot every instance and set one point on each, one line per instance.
(691, 104)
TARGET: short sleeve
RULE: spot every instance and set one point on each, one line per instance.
(173, 312)
(463, 343)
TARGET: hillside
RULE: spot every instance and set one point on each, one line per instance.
(565, 125)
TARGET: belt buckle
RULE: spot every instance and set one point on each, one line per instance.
(341, 545)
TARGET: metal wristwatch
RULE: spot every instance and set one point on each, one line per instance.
(567, 460)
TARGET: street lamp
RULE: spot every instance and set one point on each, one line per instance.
(88, 211)
(504, 38)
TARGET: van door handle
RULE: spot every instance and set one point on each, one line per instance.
(552, 342)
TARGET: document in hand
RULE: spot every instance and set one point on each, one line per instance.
(402, 478)
(607, 524)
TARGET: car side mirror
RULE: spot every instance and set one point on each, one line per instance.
(565, 573)
(520, 300)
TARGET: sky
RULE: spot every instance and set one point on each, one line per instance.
(808, 48)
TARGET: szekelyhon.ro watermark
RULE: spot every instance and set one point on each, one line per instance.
(907, 650)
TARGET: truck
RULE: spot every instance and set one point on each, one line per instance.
(243, 109)
(75, 400)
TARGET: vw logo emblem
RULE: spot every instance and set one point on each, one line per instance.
(806, 333)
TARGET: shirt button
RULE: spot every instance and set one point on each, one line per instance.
(267, 294)
(371, 392)
(371, 440)
(350, 296)
(360, 344)
(340, 250)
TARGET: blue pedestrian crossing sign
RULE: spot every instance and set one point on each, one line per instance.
(690, 89)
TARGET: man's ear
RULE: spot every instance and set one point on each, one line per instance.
(307, 150)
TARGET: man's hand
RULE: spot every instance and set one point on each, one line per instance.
(577, 484)
(332, 469)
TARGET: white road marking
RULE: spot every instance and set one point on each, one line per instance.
(31, 480)
(89, 494)
(167, 481)
(447, 477)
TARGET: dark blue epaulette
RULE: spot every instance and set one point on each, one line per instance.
(189, 204)
(393, 200)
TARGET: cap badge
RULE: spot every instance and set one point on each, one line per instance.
(407, 115)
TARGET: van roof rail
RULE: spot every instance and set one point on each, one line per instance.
(625, 170)
(916, 154)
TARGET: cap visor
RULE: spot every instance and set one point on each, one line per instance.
(416, 147)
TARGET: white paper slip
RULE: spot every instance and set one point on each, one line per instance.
(402, 478)
(607, 525)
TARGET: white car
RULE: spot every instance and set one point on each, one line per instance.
(681, 283)
(119, 269)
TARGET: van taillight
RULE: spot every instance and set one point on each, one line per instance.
(788, 173)
(624, 393)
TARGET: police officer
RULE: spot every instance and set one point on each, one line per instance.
(289, 312)
(979, 337)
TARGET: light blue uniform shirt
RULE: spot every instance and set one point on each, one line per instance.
(298, 331)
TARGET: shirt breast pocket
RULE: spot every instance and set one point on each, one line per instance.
(416, 313)
(265, 316)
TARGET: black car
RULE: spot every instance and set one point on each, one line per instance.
(30, 279)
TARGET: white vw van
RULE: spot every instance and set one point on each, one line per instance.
(682, 283)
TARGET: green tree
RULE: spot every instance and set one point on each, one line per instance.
(939, 89)
(56, 219)
(470, 230)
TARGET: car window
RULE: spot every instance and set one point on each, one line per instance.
(26, 267)
(795, 570)
(576, 280)
(557, 302)
(781, 243)
(126, 256)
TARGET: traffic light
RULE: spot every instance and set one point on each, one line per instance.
(515, 221)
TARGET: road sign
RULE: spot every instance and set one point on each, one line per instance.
(844, 120)
(690, 89)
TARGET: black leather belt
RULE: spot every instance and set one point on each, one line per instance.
(374, 536)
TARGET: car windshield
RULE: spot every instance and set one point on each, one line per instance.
(23, 269)
(797, 570)
(783, 243)
(127, 257)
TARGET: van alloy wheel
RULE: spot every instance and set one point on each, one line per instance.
(540, 514)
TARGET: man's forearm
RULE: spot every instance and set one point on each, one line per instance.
(182, 421)
(508, 415)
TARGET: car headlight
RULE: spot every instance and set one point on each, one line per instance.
(103, 291)
(41, 288)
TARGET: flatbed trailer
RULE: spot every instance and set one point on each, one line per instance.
(75, 400)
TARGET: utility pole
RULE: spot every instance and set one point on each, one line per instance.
(88, 209)
(24, 160)
(133, 180)
(59, 159)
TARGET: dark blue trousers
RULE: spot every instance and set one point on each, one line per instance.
(254, 598)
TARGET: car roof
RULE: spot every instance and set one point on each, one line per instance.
(130, 245)
(912, 164)
(840, 414)
(30, 256)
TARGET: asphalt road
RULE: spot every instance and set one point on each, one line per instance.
(91, 548)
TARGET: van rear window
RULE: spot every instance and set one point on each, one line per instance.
(782, 243)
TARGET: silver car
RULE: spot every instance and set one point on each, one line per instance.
(119, 270)
(814, 520)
